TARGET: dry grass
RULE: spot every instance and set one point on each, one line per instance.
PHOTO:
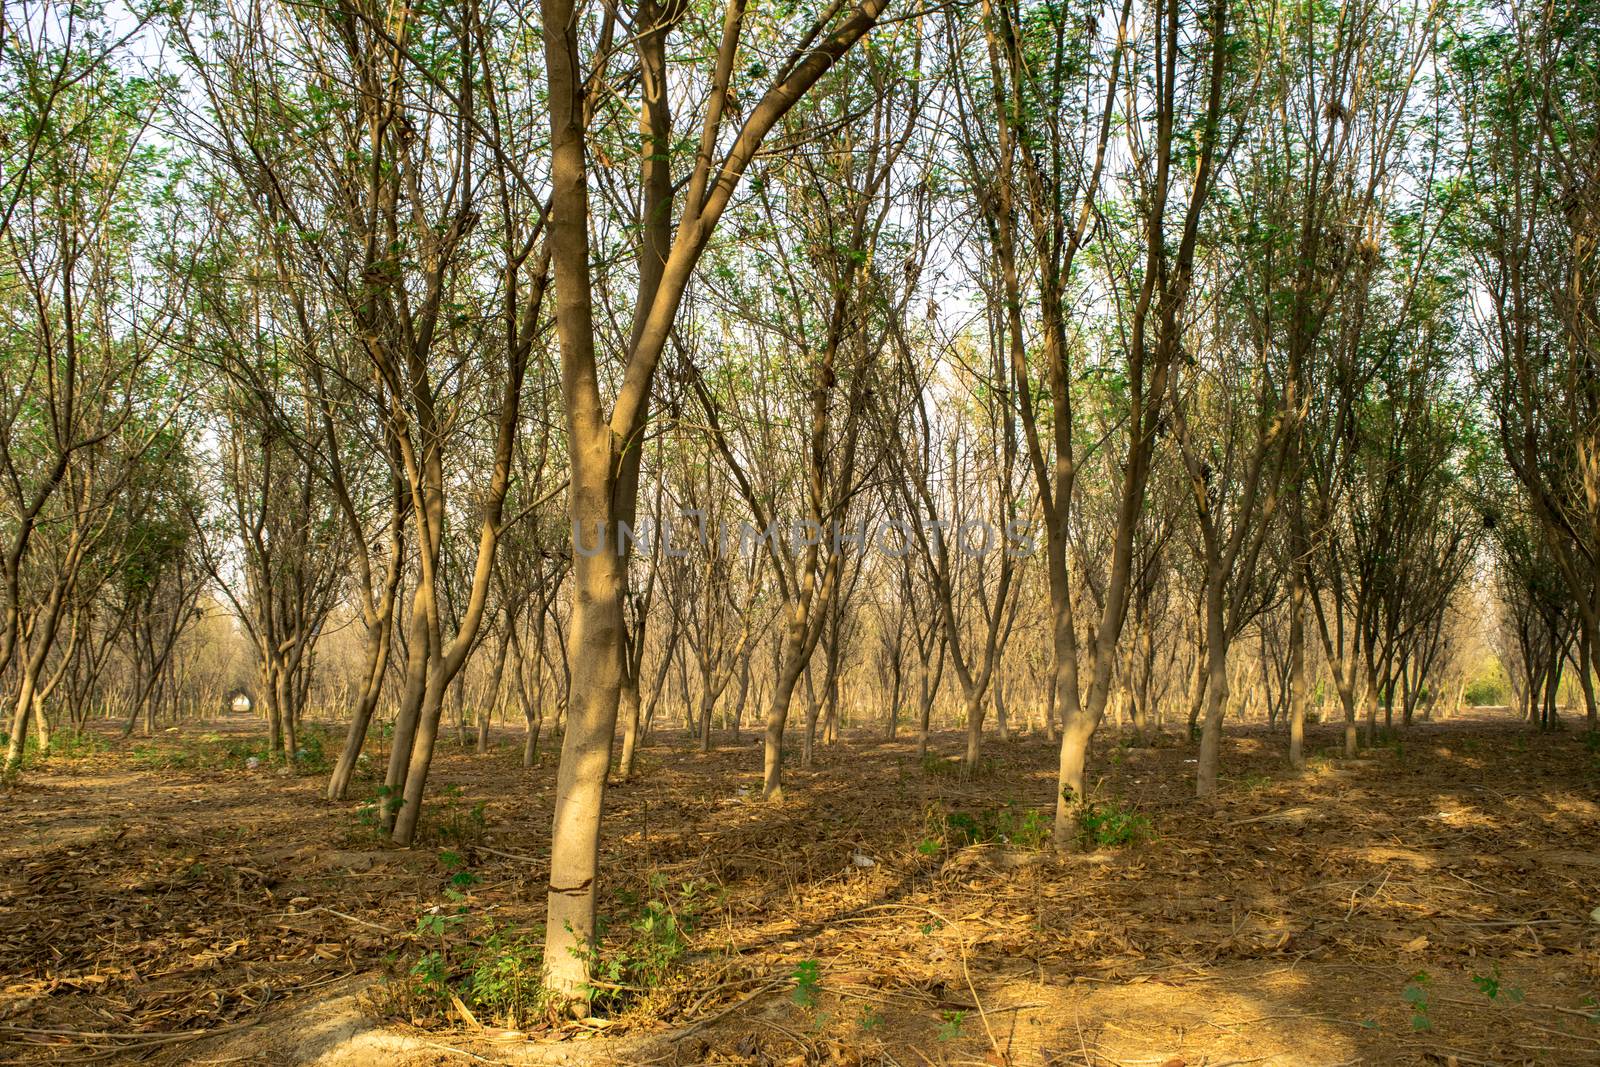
(210, 915)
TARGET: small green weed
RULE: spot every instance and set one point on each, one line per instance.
(74, 745)
(1416, 995)
(639, 965)
(807, 975)
(495, 973)
(1113, 825)
(503, 972)
(1007, 825)
(454, 822)
(374, 814)
(215, 752)
(1490, 986)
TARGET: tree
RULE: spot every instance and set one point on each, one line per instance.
(605, 447)
(1524, 84)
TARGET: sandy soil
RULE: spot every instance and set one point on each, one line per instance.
(164, 908)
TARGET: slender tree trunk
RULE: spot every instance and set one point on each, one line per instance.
(1199, 682)
(291, 703)
(925, 694)
(274, 694)
(1002, 723)
(1586, 672)
(458, 702)
(371, 693)
(1297, 669)
(1210, 756)
(498, 676)
(777, 716)
(708, 702)
(830, 720)
(813, 710)
(427, 736)
(744, 693)
(1050, 692)
(893, 726)
(1374, 695)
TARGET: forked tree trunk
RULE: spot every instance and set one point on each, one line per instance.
(600, 446)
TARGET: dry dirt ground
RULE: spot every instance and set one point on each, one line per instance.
(161, 902)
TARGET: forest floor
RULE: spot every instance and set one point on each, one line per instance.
(1433, 901)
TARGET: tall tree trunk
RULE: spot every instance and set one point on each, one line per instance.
(371, 693)
(628, 701)
(813, 711)
(1586, 671)
(791, 665)
(969, 758)
(409, 711)
(498, 676)
(1002, 723)
(1298, 694)
(744, 692)
(585, 751)
(1210, 755)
